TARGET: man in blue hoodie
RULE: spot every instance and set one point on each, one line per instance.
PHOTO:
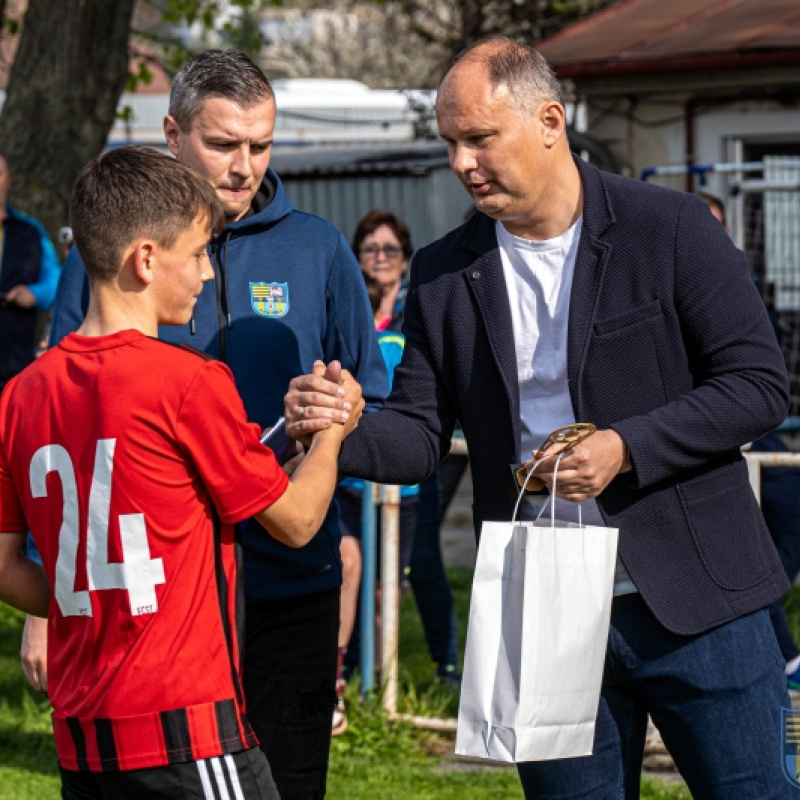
(287, 292)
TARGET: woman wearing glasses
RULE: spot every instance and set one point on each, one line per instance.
(382, 244)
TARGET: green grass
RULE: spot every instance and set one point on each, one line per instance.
(375, 758)
(27, 753)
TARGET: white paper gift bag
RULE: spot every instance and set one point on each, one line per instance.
(536, 641)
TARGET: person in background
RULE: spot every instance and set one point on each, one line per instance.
(65, 241)
(286, 292)
(382, 244)
(780, 505)
(29, 270)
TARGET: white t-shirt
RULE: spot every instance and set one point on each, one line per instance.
(538, 277)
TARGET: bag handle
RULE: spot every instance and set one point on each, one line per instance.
(550, 498)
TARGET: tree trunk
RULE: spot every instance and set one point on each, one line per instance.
(62, 97)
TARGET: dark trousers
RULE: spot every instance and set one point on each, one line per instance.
(245, 774)
(289, 686)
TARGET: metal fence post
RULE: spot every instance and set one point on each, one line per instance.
(390, 593)
(368, 551)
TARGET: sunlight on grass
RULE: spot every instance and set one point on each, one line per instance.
(375, 758)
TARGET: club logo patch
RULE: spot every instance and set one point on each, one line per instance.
(790, 730)
(270, 299)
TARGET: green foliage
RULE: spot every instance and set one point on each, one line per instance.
(791, 604)
(657, 790)
(28, 764)
(143, 75)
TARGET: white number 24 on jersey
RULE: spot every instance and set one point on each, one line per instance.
(138, 573)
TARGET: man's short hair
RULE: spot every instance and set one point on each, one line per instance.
(216, 73)
(132, 192)
(524, 70)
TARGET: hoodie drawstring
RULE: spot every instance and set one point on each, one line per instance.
(224, 261)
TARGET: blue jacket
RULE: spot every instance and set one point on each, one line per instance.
(29, 259)
(287, 291)
(668, 343)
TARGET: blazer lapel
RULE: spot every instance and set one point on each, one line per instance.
(590, 264)
(486, 281)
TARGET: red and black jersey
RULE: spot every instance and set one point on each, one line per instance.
(131, 460)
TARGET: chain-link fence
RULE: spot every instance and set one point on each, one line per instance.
(762, 202)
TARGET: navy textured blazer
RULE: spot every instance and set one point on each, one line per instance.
(669, 344)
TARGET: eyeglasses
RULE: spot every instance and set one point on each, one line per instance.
(373, 250)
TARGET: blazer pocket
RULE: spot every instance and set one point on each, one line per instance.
(727, 526)
(623, 369)
(633, 316)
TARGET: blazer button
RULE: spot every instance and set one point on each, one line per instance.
(476, 274)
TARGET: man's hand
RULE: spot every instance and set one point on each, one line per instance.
(21, 296)
(588, 468)
(34, 653)
(314, 402)
(352, 397)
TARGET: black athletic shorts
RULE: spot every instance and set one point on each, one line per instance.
(239, 776)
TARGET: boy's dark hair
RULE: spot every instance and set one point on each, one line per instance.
(372, 221)
(131, 192)
(216, 73)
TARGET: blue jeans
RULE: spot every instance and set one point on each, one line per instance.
(716, 698)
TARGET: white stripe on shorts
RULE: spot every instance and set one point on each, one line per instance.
(220, 776)
(234, 775)
(208, 789)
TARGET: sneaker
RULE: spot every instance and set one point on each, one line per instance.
(339, 725)
(448, 674)
(793, 682)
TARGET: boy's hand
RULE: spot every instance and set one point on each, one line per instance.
(33, 653)
(352, 396)
(316, 401)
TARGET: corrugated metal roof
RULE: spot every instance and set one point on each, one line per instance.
(653, 35)
(413, 159)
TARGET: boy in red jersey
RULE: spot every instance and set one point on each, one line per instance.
(131, 461)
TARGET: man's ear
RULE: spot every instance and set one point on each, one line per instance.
(171, 133)
(553, 120)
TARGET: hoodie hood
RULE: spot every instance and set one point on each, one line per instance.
(269, 206)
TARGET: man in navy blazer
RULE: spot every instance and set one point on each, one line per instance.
(667, 349)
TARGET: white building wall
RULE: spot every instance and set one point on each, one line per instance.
(638, 146)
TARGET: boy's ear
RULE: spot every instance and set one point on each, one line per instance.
(142, 256)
